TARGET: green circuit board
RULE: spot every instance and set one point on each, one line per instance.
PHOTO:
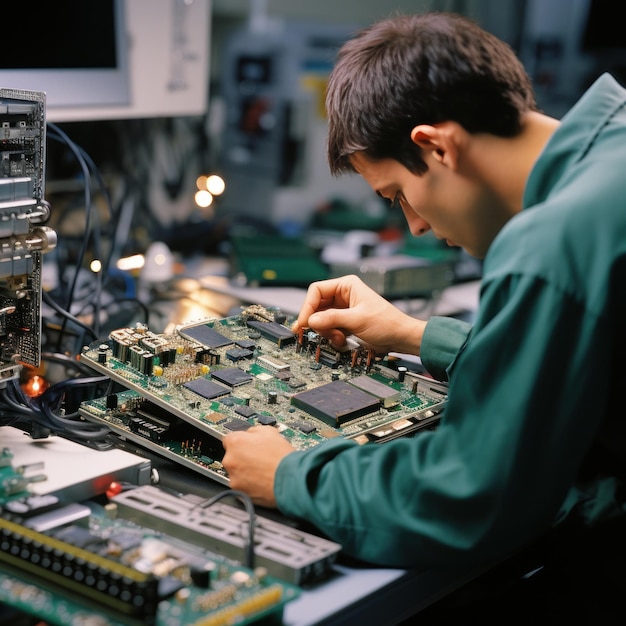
(184, 391)
(14, 481)
(109, 571)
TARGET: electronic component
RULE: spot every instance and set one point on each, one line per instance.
(386, 394)
(23, 237)
(107, 569)
(299, 384)
(15, 480)
(287, 553)
(207, 336)
(206, 388)
(232, 376)
(336, 402)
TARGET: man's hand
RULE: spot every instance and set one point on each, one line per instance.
(340, 307)
(251, 460)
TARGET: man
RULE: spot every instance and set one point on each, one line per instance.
(440, 117)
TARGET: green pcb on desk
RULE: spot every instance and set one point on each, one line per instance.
(274, 260)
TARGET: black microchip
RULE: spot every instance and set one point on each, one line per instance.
(247, 344)
(236, 424)
(232, 376)
(336, 402)
(237, 354)
(273, 331)
(206, 336)
(206, 388)
(245, 411)
(149, 426)
(266, 420)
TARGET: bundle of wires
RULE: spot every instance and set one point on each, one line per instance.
(68, 299)
(45, 415)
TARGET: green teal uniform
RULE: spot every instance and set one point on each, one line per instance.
(536, 401)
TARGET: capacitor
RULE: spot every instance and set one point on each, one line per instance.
(102, 353)
(401, 373)
(202, 576)
(272, 397)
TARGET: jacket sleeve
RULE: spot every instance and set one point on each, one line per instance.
(443, 339)
(495, 471)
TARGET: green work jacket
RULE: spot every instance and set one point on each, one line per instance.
(533, 430)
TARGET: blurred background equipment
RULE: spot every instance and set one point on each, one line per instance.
(23, 236)
(272, 83)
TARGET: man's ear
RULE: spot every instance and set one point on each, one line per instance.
(439, 140)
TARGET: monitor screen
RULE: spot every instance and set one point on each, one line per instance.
(74, 51)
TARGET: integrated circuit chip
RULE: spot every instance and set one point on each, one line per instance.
(206, 388)
(207, 336)
(236, 424)
(238, 354)
(336, 402)
(245, 411)
(215, 417)
(266, 420)
(387, 395)
(247, 344)
(232, 376)
(274, 332)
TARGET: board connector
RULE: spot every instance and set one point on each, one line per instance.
(123, 589)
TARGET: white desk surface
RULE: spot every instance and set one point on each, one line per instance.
(71, 470)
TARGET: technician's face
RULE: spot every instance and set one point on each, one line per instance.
(454, 208)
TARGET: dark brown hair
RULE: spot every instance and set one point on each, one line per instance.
(421, 69)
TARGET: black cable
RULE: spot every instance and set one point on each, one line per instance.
(17, 409)
(245, 499)
(66, 315)
(69, 361)
(56, 134)
(118, 301)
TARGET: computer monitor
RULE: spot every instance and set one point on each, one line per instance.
(74, 51)
(110, 59)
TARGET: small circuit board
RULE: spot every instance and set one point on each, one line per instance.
(183, 392)
(106, 570)
(15, 480)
